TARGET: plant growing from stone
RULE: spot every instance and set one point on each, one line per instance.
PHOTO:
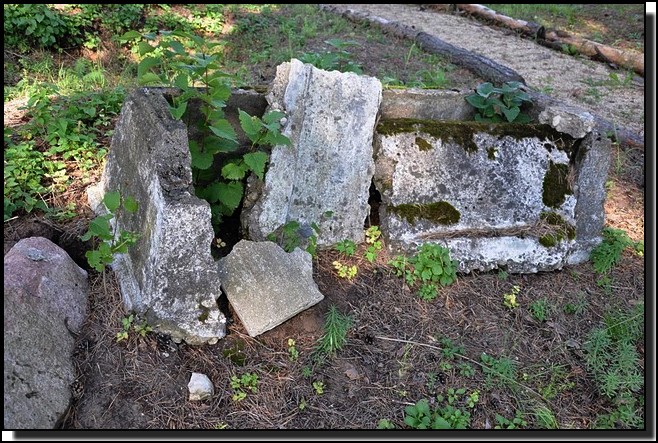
(246, 382)
(335, 328)
(509, 298)
(190, 63)
(293, 353)
(101, 229)
(431, 266)
(346, 247)
(345, 271)
(499, 104)
(611, 357)
(318, 385)
(540, 309)
(337, 59)
(126, 322)
(293, 235)
(373, 235)
(516, 423)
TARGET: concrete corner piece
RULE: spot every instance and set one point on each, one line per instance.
(169, 274)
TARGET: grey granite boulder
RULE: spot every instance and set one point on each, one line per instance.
(266, 285)
(325, 176)
(169, 275)
(45, 297)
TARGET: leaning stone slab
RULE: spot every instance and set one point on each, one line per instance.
(169, 275)
(325, 176)
(522, 197)
(266, 285)
(45, 295)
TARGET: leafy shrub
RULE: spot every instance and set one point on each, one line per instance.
(38, 25)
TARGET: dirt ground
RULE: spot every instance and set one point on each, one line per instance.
(394, 354)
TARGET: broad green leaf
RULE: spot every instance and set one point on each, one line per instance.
(145, 65)
(477, 101)
(234, 171)
(145, 48)
(176, 46)
(485, 89)
(222, 128)
(201, 160)
(178, 111)
(273, 117)
(210, 192)
(181, 81)
(130, 204)
(230, 194)
(150, 78)
(213, 144)
(510, 114)
(112, 200)
(130, 35)
(94, 260)
(250, 125)
(276, 139)
(256, 162)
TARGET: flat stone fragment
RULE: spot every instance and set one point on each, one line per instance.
(325, 176)
(266, 285)
(169, 275)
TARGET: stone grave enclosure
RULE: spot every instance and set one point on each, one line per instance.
(523, 198)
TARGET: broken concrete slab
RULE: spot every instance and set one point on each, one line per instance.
(45, 302)
(266, 285)
(169, 275)
(496, 195)
(328, 169)
(425, 104)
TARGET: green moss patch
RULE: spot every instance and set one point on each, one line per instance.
(556, 185)
(562, 229)
(439, 212)
(461, 132)
(423, 144)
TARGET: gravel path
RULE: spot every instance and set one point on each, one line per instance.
(577, 81)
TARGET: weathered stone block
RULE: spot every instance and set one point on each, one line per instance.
(524, 197)
(45, 295)
(169, 275)
(266, 285)
(329, 167)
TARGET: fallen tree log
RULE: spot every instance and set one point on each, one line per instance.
(558, 39)
(626, 59)
(481, 66)
(532, 29)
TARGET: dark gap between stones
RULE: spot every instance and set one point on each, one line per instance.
(374, 200)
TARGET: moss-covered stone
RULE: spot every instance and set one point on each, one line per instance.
(556, 186)
(548, 240)
(563, 229)
(438, 212)
(423, 144)
(461, 132)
